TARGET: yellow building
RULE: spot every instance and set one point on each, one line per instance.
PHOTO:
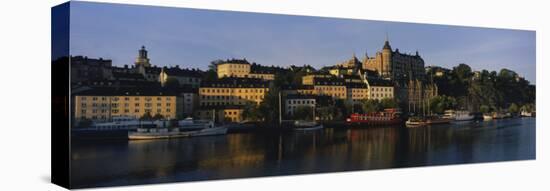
(380, 89)
(243, 69)
(228, 95)
(311, 78)
(223, 114)
(233, 68)
(357, 92)
(232, 91)
(103, 104)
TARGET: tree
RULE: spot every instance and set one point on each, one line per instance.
(251, 112)
(438, 104)
(371, 105)
(484, 109)
(146, 116)
(84, 122)
(172, 83)
(303, 113)
(157, 116)
(388, 103)
(513, 108)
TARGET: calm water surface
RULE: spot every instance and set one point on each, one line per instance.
(111, 163)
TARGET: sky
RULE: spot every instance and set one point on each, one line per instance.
(192, 38)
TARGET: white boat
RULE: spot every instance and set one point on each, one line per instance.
(415, 122)
(307, 126)
(166, 133)
(487, 117)
(121, 123)
(526, 114)
(459, 115)
(190, 124)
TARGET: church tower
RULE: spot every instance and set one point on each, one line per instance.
(386, 59)
(142, 59)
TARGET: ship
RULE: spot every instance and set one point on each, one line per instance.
(170, 133)
(459, 115)
(307, 125)
(116, 128)
(386, 117)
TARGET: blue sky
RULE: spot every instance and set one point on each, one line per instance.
(192, 38)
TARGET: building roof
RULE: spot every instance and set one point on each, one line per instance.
(356, 85)
(125, 91)
(128, 75)
(300, 96)
(176, 71)
(234, 82)
(235, 61)
(379, 82)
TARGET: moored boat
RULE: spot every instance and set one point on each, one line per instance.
(434, 120)
(307, 126)
(415, 122)
(459, 115)
(168, 133)
(387, 117)
(487, 117)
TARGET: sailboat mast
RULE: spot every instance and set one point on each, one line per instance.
(280, 115)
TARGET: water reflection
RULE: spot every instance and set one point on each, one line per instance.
(328, 150)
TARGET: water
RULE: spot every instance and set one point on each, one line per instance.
(111, 163)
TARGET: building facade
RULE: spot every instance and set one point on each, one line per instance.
(394, 65)
(232, 92)
(293, 102)
(103, 104)
(243, 69)
(184, 77)
(380, 89)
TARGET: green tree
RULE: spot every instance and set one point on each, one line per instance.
(251, 112)
(484, 109)
(84, 123)
(513, 108)
(146, 116)
(371, 105)
(172, 83)
(157, 116)
(303, 113)
(388, 103)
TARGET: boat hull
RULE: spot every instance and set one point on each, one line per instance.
(172, 135)
(317, 127)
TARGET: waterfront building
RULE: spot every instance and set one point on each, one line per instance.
(380, 88)
(221, 114)
(190, 99)
(101, 104)
(243, 69)
(295, 101)
(356, 92)
(310, 79)
(184, 77)
(230, 91)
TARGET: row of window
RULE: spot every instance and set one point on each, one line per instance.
(125, 105)
(301, 101)
(382, 89)
(125, 111)
(203, 97)
(232, 91)
(84, 98)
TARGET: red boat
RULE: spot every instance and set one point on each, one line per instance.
(387, 117)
